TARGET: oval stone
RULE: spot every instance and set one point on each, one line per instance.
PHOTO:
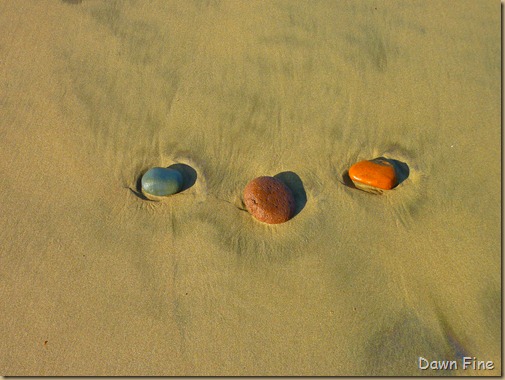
(160, 182)
(374, 175)
(269, 200)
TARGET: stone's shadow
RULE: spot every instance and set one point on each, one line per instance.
(401, 168)
(72, 1)
(295, 184)
(402, 171)
(189, 175)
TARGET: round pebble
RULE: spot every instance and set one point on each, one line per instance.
(269, 200)
(373, 176)
(161, 182)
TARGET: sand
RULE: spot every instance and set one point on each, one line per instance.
(96, 281)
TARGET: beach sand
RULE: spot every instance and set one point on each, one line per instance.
(97, 281)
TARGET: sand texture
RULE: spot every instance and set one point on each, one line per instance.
(95, 280)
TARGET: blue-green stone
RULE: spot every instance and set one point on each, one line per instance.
(161, 182)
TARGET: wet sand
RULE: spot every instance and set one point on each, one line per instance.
(96, 280)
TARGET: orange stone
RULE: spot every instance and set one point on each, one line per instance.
(373, 176)
(269, 200)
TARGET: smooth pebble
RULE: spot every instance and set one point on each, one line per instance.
(374, 176)
(161, 182)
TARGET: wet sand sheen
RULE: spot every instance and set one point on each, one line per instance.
(95, 279)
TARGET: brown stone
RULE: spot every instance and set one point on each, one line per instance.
(269, 200)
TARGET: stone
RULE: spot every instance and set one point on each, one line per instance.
(374, 176)
(269, 200)
(160, 182)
